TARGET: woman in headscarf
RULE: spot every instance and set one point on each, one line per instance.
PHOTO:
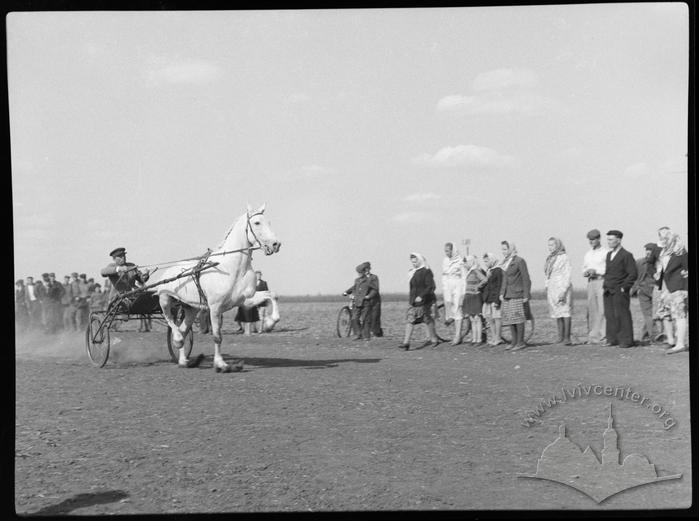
(473, 302)
(422, 298)
(491, 297)
(663, 311)
(559, 288)
(515, 293)
(675, 281)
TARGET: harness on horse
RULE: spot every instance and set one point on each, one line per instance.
(201, 265)
(203, 260)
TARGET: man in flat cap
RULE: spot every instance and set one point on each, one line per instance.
(620, 275)
(123, 276)
(42, 296)
(67, 305)
(54, 295)
(83, 313)
(594, 266)
(366, 293)
(644, 288)
(32, 301)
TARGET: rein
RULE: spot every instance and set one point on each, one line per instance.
(202, 258)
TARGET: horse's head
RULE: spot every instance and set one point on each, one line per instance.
(259, 231)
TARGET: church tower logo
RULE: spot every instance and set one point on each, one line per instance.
(565, 462)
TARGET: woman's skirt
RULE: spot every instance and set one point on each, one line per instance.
(247, 315)
(513, 311)
(420, 314)
(473, 304)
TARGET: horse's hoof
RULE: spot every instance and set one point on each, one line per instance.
(196, 361)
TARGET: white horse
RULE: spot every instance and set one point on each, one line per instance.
(221, 288)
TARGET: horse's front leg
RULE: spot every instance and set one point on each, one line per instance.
(216, 323)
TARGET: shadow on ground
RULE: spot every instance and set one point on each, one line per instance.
(81, 501)
(307, 364)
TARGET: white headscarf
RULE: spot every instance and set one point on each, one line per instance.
(492, 260)
(511, 252)
(471, 262)
(421, 263)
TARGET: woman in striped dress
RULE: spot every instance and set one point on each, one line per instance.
(515, 293)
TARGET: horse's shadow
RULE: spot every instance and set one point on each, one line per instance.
(86, 499)
(304, 364)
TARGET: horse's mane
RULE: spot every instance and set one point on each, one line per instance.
(223, 241)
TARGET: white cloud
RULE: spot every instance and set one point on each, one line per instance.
(411, 217)
(196, 72)
(465, 156)
(495, 103)
(636, 170)
(504, 78)
(421, 197)
(674, 165)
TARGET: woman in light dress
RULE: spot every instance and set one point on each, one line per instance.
(559, 288)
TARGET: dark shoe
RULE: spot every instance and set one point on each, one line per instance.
(624, 346)
(195, 363)
(404, 347)
(609, 344)
(357, 338)
(518, 347)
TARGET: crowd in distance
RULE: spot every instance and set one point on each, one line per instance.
(489, 293)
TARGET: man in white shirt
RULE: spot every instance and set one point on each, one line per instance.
(32, 301)
(593, 269)
(453, 287)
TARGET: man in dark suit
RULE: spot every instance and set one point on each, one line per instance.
(366, 293)
(54, 294)
(620, 276)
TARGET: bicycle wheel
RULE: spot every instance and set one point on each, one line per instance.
(97, 342)
(344, 322)
(188, 339)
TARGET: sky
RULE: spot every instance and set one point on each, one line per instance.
(369, 134)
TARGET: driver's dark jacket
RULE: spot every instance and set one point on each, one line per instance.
(122, 282)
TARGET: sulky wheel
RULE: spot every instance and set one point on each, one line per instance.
(344, 322)
(97, 341)
(188, 340)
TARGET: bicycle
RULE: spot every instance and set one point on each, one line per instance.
(344, 319)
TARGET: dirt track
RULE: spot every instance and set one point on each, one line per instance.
(319, 423)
